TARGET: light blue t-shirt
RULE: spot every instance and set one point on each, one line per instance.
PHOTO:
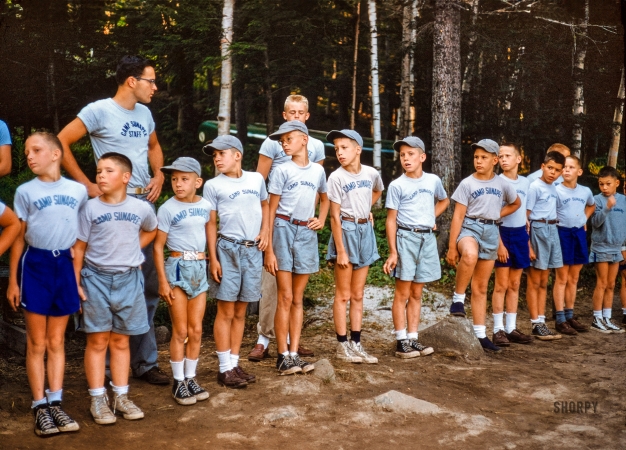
(273, 149)
(571, 203)
(50, 210)
(414, 199)
(518, 218)
(298, 188)
(185, 224)
(541, 201)
(484, 198)
(238, 203)
(5, 136)
(537, 174)
(115, 129)
(354, 191)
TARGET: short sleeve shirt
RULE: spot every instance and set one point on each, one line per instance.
(414, 199)
(115, 129)
(111, 232)
(484, 198)
(185, 224)
(518, 218)
(273, 149)
(541, 200)
(51, 212)
(298, 188)
(5, 136)
(354, 191)
(238, 203)
(571, 203)
(3, 207)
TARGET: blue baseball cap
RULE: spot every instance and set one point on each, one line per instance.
(411, 141)
(288, 127)
(350, 134)
(487, 145)
(224, 142)
(183, 164)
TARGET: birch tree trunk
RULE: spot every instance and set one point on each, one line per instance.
(578, 110)
(269, 119)
(446, 103)
(371, 6)
(223, 116)
(617, 124)
(505, 106)
(406, 85)
(354, 66)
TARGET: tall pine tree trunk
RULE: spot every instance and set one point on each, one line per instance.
(468, 73)
(226, 87)
(354, 66)
(406, 85)
(578, 110)
(505, 106)
(617, 124)
(446, 103)
(269, 119)
(371, 6)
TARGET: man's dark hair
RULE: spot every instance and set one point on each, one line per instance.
(556, 157)
(120, 160)
(131, 66)
(608, 171)
(51, 139)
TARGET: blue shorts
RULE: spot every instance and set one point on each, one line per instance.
(190, 276)
(515, 241)
(487, 236)
(544, 239)
(295, 247)
(596, 257)
(573, 245)
(418, 258)
(115, 302)
(359, 241)
(242, 268)
(47, 282)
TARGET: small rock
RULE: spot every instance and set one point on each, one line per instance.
(297, 386)
(453, 335)
(324, 371)
(162, 334)
(284, 413)
(398, 402)
(222, 399)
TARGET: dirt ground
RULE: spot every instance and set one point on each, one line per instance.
(500, 401)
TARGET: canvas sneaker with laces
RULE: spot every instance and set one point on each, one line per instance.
(125, 406)
(424, 350)
(304, 365)
(599, 325)
(181, 393)
(100, 410)
(61, 419)
(358, 349)
(608, 323)
(543, 333)
(286, 365)
(44, 423)
(404, 350)
(345, 353)
(196, 390)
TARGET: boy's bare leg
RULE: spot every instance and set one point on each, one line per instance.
(120, 358)
(468, 250)
(622, 291)
(195, 313)
(480, 281)
(532, 291)
(285, 295)
(178, 315)
(542, 293)
(236, 327)
(572, 284)
(500, 290)
(221, 327)
(602, 275)
(95, 354)
(609, 291)
(560, 285)
(357, 287)
(512, 292)
(343, 281)
(414, 307)
(400, 308)
(296, 313)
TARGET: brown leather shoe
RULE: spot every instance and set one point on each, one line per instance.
(305, 352)
(247, 377)
(500, 339)
(576, 325)
(517, 337)
(231, 380)
(155, 376)
(258, 353)
(565, 328)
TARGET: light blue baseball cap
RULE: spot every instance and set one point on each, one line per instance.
(224, 142)
(288, 127)
(350, 134)
(183, 164)
(411, 141)
(487, 145)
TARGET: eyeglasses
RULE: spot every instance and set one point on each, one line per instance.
(153, 81)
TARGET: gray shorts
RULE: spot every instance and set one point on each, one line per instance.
(418, 258)
(241, 273)
(595, 257)
(359, 241)
(545, 242)
(190, 276)
(115, 302)
(295, 247)
(487, 237)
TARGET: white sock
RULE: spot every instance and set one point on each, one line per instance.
(624, 311)
(458, 298)
(224, 359)
(288, 341)
(597, 314)
(480, 331)
(264, 341)
(606, 313)
(36, 403)
(119, 390)
(292, 354)
(535, 321)
(234, 360)
(285, 353)
(190, 368)
(511, 322)
(412, 336)
(498, 323)
(97, 391)
(55, 396)
(542, 319)
(400, 335)
(178, 370)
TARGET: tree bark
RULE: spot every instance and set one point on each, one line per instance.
(269, 119)
(406, 85)
(617, 124)
(468, 74)
(371, 6)
(446, 103)
(505, 106)
(578, 110)
(223, 117)
(54, 110)
(354, 66)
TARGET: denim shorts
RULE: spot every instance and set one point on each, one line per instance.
(515, 240)
(360, 244)
(487, 236)
(573, 245)
(544, 239)
(190, 276)
(595, 257)
(242, 268)
(115, 302)
(418, 258)
(295, 247)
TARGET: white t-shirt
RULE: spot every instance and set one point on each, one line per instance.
(537, 174)
(273, 149)
(50, 211)
(354, 191)
(571, 203)
(541, 201)
(238, 203)
(115, 129)
(414, 199)
(297, 187)
(111, 232)
(518, 218)
(484, 198)
(185, 224)
(2, 208)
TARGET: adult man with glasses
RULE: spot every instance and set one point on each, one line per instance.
(122, 124)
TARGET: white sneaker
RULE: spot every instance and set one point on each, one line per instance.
(100, 410)
(345, 353)
(599, 325)
(130, 411)
(358, 349)
(611, 326)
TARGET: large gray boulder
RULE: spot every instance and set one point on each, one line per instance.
(453, 335)
(398, 402)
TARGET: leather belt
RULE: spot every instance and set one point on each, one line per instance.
(352, 219)
(415, 230)
(300, 223)
(189, 256)
(484, 221)
(549, 222)
(137, 190)
(243, 242)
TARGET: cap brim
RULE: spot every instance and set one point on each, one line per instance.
(475, 146)
(398, 144)
(171, 169)
(209, 148)
(275, 136)
(330, 137)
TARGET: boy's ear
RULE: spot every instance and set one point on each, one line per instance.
(126, 177)
(198, 182)
(422, 156)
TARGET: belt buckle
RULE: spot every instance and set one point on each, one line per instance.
(56, 253)
(248, 244)
(190, 256)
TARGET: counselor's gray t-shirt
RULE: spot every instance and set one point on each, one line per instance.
(115, 129)
(50, 211)
(111, 232)
(185, 224)
(273, 149)
(571, 203)
(297, 187)
(414, 199)
(354, 191)
(541, 200)
(518, 218)
(238, 203)
(484, 198)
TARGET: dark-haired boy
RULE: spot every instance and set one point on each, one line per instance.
(560, 148)
(607, 237)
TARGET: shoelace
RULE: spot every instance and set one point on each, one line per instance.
(287, 363)
(406, 346)
(60, 417)
(347, 349)
(599, 323)
(609, 324)
(183, 389)
(417, 346)
(102, 403)
(193, 387)
(126, 404)
(44, 419)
